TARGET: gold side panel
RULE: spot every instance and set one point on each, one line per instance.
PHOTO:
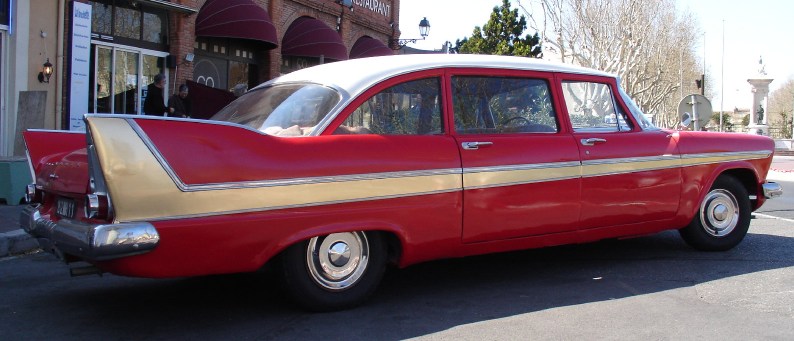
(496, 178)
(142, 190)
(606, 168)
(707, 159)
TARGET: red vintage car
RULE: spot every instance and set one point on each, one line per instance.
(334, 172)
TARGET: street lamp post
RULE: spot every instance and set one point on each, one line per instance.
(424, 30)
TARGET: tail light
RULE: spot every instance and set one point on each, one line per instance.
(32, 194)
(97, 206)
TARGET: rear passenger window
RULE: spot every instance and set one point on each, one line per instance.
(500, 105)
(410, 108)
(592, 108)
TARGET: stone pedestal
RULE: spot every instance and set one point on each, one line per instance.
(758, 129)
(759, 109)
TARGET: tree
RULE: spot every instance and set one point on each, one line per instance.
(645, 42)
(501, 35)
(727, 125)
(781, 106)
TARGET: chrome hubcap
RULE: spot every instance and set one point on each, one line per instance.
(719, 213)
(337, 261)
(339, 254)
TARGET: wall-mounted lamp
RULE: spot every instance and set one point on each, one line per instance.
(189, 57)
(424, 31)
(46, 72)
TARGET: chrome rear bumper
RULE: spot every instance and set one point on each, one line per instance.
(772, 190)
(89, 241)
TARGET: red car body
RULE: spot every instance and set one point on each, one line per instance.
(161, 197)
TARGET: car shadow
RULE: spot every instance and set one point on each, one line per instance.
(416, 301)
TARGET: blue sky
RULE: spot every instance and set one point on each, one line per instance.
(752, 29)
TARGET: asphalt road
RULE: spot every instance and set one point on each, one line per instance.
(653, 287)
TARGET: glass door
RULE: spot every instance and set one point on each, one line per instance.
(119, 77)
(125, 83)
(150, 69)
(101, 85)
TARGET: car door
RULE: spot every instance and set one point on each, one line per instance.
(520, 167)
(629, 175)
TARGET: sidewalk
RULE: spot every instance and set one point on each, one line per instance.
(13, 240)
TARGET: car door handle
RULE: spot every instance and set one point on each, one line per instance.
(592, 141)
(475, 145)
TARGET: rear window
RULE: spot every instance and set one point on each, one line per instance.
(282, 110)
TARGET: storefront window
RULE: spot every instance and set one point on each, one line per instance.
(153, 28)
(127, 23)
(121, 22)
(226, 64)
(101, 18)
(4, 17)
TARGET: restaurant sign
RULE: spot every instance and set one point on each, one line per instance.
(380, 7)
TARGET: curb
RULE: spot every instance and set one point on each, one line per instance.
(16, 242)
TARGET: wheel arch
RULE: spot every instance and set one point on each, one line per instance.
(393, 236)
(748, 177)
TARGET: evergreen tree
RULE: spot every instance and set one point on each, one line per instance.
(501, 35)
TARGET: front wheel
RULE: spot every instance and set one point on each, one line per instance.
(334, 272)
(722, 219)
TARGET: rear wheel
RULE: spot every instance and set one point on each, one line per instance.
(334, 272)
(722, 219)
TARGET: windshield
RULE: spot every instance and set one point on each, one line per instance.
(644, 122)
(281, 110)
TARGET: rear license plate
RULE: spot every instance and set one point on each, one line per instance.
(65, 208)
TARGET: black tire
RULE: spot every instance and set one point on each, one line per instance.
(722, 219)
(334, 272)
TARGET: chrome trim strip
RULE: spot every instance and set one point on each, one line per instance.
(319, 180)
(57, 131)
(157, 155)
(666, 157)
(533, 166)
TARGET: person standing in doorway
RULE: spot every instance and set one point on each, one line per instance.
(179, 104)
(155, 102)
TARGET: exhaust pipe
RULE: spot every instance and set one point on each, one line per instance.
(84, 271)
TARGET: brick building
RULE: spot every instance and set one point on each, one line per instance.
(104, 53)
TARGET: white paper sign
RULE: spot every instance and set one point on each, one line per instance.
(81, 64)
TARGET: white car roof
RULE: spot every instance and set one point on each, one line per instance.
(357, 75)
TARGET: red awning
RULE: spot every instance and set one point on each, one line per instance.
(241, 19)
(369, 47)
(309, 37)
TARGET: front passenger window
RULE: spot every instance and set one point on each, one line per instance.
(592, 107)
(410, 108)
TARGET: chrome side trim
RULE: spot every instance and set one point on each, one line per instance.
(89, 241)
(319, 180)
(772, 190)
(157, 155)
(534, 166)
(666, 157)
